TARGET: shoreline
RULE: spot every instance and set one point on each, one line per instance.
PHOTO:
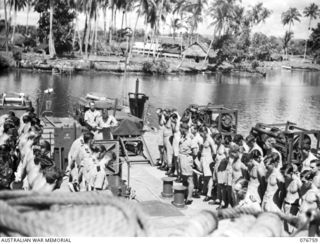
(116, 64)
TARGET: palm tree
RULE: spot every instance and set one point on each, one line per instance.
(194, 10)
(29, 5)
(90, 8)
(143, 8)
(313, 12)
(129, 8)
(112, 5)
(52, 50)
(164, 7)
(77, 7)
(286, 40)
(94, 37)
(288, 18)
(17, 5)
(176, 24)
(6, 25)
(259, 14)
(104, 6)
(222, 12)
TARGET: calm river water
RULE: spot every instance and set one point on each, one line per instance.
(283, 95)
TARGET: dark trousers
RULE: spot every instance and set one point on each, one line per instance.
(205, 184)
(227, 196)
(195, 181)
(219, 191)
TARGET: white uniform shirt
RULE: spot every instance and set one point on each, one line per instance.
(91, 117)
(110, 122)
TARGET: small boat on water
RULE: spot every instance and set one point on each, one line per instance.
(286, 67)
(110, 103)
(16, 101)
(298, 68)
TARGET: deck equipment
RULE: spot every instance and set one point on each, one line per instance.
(224, 119)
(289, 139)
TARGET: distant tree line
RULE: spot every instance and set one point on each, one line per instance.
(232, 24)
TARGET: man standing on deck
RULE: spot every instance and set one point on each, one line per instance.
(80, 149)
(252, 144)
(91, 117)
(104, 123)
(270, 146)
(187, 151)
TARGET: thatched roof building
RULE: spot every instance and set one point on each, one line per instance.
(199, 50)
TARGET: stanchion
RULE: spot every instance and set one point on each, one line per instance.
(167, 186)
(179, 196)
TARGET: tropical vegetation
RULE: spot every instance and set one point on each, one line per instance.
(60, 32)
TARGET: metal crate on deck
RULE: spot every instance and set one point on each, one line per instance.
(60, 133)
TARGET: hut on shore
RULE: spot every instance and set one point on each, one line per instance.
(198, 51)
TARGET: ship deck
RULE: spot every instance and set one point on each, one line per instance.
(146, 181)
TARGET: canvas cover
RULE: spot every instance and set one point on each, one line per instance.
(129, 127)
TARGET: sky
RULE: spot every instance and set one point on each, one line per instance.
(272, 25)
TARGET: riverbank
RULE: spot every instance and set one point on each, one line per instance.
(145, 64)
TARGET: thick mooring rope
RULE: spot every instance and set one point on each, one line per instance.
(85, 210)
(237, 212)
(100, 214)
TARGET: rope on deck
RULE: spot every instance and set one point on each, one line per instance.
(89, 213)
(100, 214)
(237, 212)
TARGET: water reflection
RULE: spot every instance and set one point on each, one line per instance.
(283, 95)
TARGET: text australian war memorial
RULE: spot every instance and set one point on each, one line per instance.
(159, 119)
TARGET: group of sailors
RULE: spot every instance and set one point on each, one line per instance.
(234, 171)
(228, 170)
(25, 161)
(99, 122)
(89, 165)
(26, 157)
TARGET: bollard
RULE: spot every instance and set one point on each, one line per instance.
(114, 180)
(167, 186)
(179, 196)
(115, 184)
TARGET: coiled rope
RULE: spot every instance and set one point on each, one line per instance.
(100, 214)
(237, 212)
(64, 214)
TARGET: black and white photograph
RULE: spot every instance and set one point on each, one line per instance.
(159, 119)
